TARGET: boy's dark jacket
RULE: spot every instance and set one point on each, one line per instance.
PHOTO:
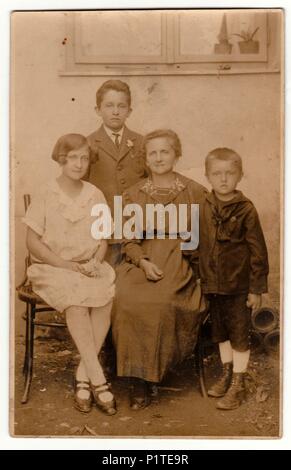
(233, 253)
(115, 169)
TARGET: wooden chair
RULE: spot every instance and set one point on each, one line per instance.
(35, 305)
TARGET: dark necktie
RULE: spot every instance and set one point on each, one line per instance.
(116, 141)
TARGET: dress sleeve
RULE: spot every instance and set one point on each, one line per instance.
(132, 248)
(35, 215)
(259, 267)
(197, 194)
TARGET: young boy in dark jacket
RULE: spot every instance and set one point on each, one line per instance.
(118, 162)
(233, 268)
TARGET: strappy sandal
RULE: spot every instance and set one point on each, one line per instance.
(100, 393)
(82, 404)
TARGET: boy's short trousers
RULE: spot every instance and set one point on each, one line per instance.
(230, 320)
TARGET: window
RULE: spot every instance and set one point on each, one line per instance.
(173, 42)
(120, 37)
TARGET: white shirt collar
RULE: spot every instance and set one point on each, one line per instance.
(110, 133)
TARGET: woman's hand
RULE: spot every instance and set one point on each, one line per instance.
(254, 301)
(91, 268)
(152, 272)
(73, 266)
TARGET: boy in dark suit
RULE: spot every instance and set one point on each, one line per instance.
(117, 148)
(233, 268)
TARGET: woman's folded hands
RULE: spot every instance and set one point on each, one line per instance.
(91, 268)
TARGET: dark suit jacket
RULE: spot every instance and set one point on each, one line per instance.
(232, 248)
(116, 169)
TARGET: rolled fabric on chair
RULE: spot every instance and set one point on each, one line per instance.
(272, 342)
(265, 319)
(256, 341)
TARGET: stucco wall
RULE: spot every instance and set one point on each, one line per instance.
(237, 111)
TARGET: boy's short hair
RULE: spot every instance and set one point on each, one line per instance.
(69, 142)
(116, 85)
(224, 154)
(167, 133)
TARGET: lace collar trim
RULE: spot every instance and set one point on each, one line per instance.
(73, 209)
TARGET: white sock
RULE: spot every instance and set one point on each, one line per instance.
(240, 361)
(100, 321)
(80, 328)
(225, 351)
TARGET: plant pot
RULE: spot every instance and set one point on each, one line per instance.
(249, 47)
(223, 48)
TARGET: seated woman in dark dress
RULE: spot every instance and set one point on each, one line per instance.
(157, 310)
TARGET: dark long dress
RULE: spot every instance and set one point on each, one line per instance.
(155, 323)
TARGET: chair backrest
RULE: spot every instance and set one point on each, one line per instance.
(27, 201)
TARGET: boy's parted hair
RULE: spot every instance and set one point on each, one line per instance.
(168, 134)
(225, 154)
(116, 85)
(69, 142)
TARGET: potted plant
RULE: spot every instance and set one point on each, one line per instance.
(248, 45)
(224, 46)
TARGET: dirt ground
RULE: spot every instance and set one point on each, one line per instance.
(179, 410)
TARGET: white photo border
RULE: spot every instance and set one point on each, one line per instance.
(8, 442)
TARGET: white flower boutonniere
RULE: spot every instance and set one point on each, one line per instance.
(129, 143)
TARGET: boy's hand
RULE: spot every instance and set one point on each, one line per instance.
(152, 272)
(254, 301)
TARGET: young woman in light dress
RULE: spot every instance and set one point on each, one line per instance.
(68, 269)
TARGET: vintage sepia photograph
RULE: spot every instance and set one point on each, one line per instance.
(146, 223)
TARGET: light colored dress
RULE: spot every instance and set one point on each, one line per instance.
(64, 225)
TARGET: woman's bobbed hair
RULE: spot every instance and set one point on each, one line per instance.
(69, 142)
